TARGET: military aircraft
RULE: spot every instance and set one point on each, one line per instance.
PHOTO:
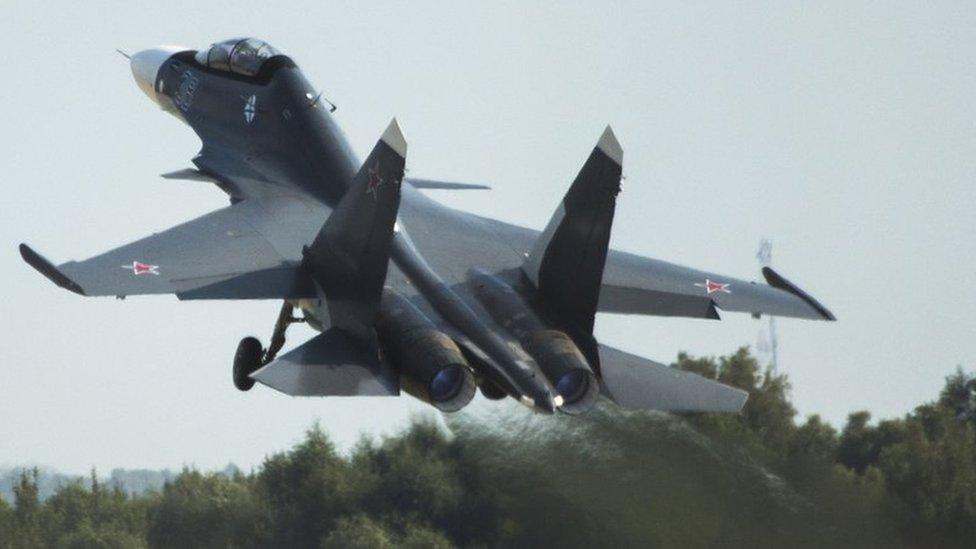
(408, 294)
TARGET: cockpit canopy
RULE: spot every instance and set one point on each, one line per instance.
(239, 55)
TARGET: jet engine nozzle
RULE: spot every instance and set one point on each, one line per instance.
(432, 367)
(557, 355)
(145, 67)
(565, 367)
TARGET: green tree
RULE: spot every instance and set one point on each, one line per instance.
(703, 366)
(423, 538)
(358, 532)
(610, 477)
(766, 422)
(860, 444)
(959, 395)
(933, 471)
(768, 412)
(307, 490)
(92, 512)
(88, 536)
(206, 510)
(7, 522)
(413, 478)
(815, 439)
(27, 510)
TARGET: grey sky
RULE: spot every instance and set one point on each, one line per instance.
(843, 132)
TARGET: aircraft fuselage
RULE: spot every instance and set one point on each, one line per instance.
(273, 125)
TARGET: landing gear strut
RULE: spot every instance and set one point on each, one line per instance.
(250, 356)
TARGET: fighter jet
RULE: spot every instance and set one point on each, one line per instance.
(409, 295)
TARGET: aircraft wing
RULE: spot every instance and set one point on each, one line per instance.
(639, 285)
(570, 265)
(250, 250)
(638, 383)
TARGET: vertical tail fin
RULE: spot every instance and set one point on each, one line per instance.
(566, 263)
(350, 255)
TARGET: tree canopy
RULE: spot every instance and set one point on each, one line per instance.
(606, 478)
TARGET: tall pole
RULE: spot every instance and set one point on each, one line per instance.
(765, 257)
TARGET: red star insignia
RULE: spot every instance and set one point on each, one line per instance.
(373, 186)
(138, 268)
(711, 287)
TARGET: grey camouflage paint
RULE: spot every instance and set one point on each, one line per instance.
(286, 166)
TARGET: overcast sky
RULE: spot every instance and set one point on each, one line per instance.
(844, 133)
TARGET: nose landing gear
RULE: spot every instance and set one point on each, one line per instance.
(250, 356)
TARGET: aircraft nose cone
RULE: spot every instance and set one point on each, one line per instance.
(145, 66)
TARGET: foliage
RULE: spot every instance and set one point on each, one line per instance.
(358, 532)
(916, 474)
(307, 490)
(205, 510)
(607, 478)
(7, 523)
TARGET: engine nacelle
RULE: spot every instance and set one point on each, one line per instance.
(561, 361)
(565, 367)
(431, 366)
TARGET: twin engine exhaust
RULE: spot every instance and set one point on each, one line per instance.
(560, 360)
(432, 367)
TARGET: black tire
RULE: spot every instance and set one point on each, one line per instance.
(247, 360)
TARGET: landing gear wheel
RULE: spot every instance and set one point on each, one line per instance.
(250, 356)
(246, 361)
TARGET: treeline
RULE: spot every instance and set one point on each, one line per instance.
(134, 481)
(609, 478)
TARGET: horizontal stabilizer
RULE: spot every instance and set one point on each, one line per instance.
(444, 185)
(638, 383)
(332, 363)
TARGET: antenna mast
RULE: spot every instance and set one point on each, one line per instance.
(767, 341)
